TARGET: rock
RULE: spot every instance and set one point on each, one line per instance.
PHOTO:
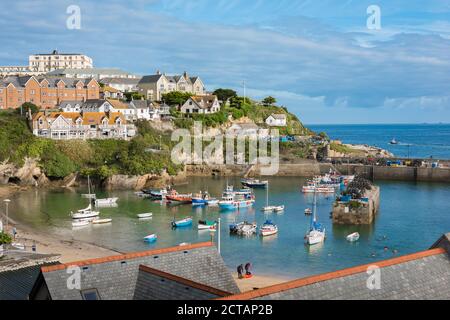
(70, 180)
(43, 181)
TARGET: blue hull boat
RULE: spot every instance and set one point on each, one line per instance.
(182, 223)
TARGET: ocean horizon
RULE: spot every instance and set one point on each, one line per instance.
(424, 140)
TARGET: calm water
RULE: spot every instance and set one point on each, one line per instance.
(419, 140)
(412, 217)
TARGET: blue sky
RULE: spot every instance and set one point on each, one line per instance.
(316, 57)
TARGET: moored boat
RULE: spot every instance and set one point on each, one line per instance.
(175, 197)
(144, 215)
(85, 213)
(200, 199)
(101, 221)
(80, 223)
(316, 232)
(213, 202)
(182, 223)
(151, 238)
(106, 202)
(268, 229)
(254, 183)
(207, 225)
(232, 200)
(308, 212)
(243, 228)
(353, 237)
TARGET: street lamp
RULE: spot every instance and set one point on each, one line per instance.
(7, 201)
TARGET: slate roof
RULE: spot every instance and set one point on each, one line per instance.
(204, 102)
(20, 81)
(154, 284)
(112, 71)
(423, 275)
(115, 277)
(132, 81)
(281, 116)
(150, 79)
(19, 271)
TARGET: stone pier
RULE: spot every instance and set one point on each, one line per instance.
(357, 211)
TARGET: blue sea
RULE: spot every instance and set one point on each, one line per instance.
(415, 140)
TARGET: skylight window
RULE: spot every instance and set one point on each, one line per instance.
(90, 294)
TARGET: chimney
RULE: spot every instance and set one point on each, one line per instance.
(158, 72)
(185, 75)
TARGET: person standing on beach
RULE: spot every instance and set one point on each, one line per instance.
(240, 270)
(248, 266)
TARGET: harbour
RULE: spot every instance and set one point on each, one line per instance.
(405, 223)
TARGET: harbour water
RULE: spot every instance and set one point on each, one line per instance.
(415, 140)
(412, 217)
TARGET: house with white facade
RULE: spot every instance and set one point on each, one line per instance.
(277, 120)
(206, 104)
(122, 84)
(96, 105)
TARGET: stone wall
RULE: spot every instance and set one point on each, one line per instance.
(365, 214)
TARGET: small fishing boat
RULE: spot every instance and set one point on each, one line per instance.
(156, 194)
(85, 213)
(313, 187)
(207, 225)
(101, 221)
(308, 212)
(353, 237)
(175, 197)
(200, 199)
(106, 202)
(279, 208)
(243, 228)
(182, 223)
(80, 223)
(151, 238)
(268, 209)
(232, 200)
(268, 229)
(254, 183)
(213, 202)
(144, 215)
(393, 141)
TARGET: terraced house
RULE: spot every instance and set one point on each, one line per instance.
(82, 125)
(154, 86)
(45, 92)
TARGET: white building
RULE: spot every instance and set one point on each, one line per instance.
(201, 104)
(276, 120)
(121, 84)
(87, 106)
(46, 62)
(96, 73)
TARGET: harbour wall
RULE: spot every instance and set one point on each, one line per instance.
(356, 212)
(312, 168)
(397, 173)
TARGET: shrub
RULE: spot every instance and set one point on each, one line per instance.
(5, 238)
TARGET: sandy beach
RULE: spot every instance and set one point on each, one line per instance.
(257, 282)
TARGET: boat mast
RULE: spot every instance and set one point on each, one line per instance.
(267, 195)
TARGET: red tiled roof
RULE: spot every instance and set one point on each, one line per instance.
(331, 275)
(184, 281)
(126, 256)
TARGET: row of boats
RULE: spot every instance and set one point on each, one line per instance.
(328, 183)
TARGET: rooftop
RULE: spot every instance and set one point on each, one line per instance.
(116, 277)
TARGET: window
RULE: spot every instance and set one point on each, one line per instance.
(90, 294)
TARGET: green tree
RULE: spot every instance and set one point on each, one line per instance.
(269, 101)
(224, 94)
(55, 163)
(5, 238)
(175, 98)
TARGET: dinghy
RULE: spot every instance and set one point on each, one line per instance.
(207, 225)
(106, 202)
(145, 215)
(182, 223)
(254, 183)
(353, 237)
(101, 221)
(308, 212)
(80, 223)
(151, 238)
(278, 208)
(213, 202)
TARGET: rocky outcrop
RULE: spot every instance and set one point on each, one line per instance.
(29, 174)
(127, 182)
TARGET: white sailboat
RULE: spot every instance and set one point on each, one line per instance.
(86, 213)
(316, 232)
(269, 208)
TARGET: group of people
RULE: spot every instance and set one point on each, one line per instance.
(240, 270)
